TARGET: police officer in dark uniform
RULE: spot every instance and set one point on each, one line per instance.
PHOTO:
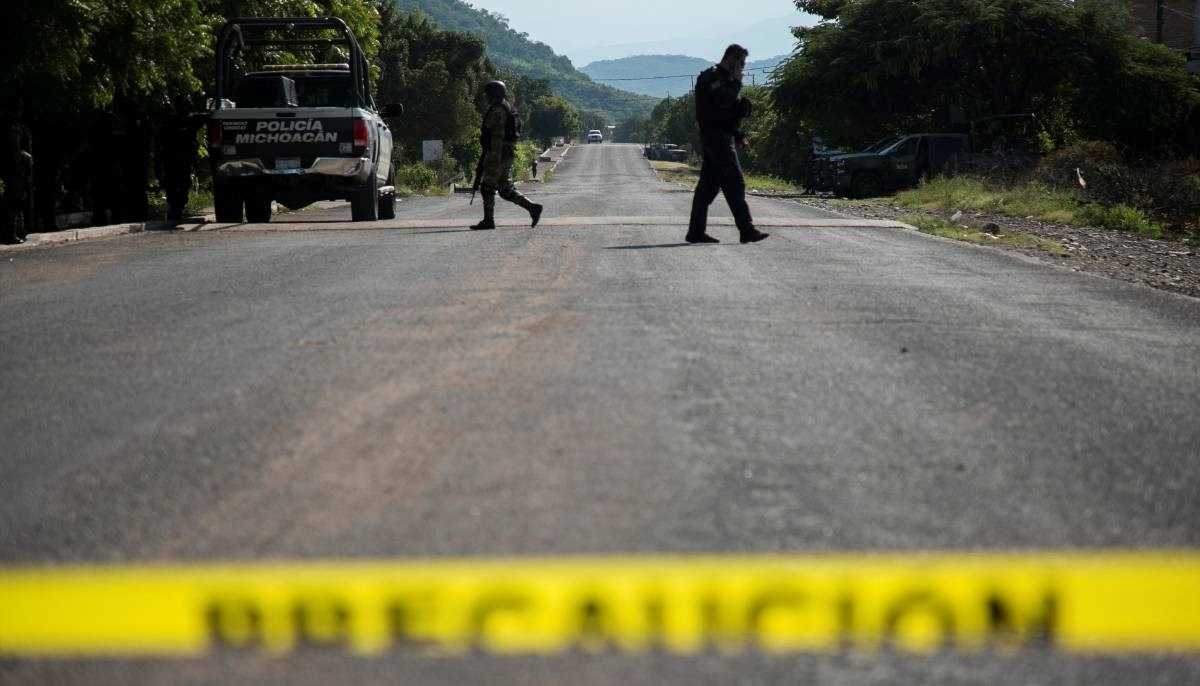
(103, 148)
(719, 109)
(498, 137)
(16, 173)
(175, 154)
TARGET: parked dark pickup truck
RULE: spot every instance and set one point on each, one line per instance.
(898, 163)
(300, 131)
(668, 152)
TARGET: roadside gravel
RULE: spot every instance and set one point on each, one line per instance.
(1167, 265)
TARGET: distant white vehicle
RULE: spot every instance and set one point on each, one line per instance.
(594, 136)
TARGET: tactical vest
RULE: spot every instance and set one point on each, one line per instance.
(512, 125)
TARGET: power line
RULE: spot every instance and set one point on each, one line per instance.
(1185, 15)
(674, 76)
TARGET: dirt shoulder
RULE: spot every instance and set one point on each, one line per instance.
(1167, 265)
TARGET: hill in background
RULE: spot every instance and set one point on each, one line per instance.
(767, 37)
(663, 75)
(515, 51)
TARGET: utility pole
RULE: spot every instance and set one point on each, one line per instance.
(1160, 22)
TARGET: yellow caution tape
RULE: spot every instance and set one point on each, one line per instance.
(1079, 602)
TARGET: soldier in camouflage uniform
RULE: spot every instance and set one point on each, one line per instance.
(16, 174)
(499, 139)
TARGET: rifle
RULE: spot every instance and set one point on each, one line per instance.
(478, 176)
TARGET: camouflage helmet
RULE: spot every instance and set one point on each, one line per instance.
(495, 89)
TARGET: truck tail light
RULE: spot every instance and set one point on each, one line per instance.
(214, 134)
(361, 138)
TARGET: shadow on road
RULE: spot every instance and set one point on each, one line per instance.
(647, 247)
(428, 233)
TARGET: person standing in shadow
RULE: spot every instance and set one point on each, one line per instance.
(175, 154)
(16, 173)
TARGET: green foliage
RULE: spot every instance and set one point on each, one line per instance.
(886, 66)
(636, 129)
(523, 159)
(1170, 189)
(774, 142)
(949, 194)
(514, 51)
(675, 122)
(544, 114)
(676, 172)
(778, 146)
(589, 119)
(769, 184)
(416, 177)
(435, 74)
(1045, 143)
(937, 226)
(552, 116)
(1120, 218)
(75, 55)
(689, 175)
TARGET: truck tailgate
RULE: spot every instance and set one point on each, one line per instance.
(269, 134)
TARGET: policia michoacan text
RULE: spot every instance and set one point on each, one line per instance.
(500, 132)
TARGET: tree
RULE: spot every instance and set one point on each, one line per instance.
(72, 61)
(775, 141)
(436, 75)
(635, 129)
(675, 122)
(589, 120)
(882, 66)
(552, 116)
(70, 58)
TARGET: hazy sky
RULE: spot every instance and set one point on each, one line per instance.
(573, 27)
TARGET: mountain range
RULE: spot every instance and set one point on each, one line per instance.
(663, 75)
(513, 50)
(766, 37)
(616, 88)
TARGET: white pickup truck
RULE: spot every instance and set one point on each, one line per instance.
(297, 130)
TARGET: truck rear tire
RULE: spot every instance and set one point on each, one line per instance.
(258, 211)
(866, 185)
(387, 201)
(227, 203)
(364, 204)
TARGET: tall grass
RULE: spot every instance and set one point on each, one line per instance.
(951, 194)
(689, 174)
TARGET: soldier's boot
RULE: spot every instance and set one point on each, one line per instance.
(534, 209)
(489, 212)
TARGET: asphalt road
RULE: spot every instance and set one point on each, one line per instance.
(314, 388)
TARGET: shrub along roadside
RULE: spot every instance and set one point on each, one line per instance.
(1089, 182)
(1032, 199)
(422, 178)
(688, 175)
(975, 234)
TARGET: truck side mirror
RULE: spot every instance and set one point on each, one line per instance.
(392, 110)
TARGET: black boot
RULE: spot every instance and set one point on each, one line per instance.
(535, 213)
(753, 236)
(489, 211)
